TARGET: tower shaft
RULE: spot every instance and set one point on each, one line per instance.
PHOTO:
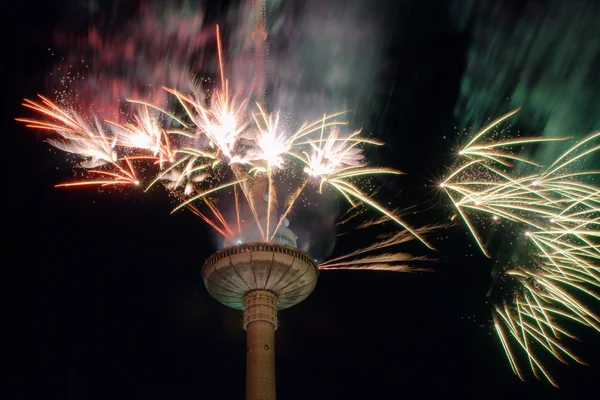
(260, 278)
(260, 322)
(259, 39)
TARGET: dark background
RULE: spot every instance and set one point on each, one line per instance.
(102, 297)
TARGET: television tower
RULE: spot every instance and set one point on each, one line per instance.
(257, 277)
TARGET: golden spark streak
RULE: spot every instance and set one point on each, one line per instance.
(204, 194)
(353, 191)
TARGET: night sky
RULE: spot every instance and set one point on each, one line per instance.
(102, 294)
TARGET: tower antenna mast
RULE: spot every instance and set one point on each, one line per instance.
(260, 277)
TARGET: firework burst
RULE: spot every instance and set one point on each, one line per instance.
(145, 133)
(557, 212)
(222, 150)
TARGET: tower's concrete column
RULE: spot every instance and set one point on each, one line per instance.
(259, 37)
(260, 322)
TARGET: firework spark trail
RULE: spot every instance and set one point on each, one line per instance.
(560, 210)
(390, 240)
(218, 215)
(95, 149)
(205, 193)
(237, 210)
(289, 204)
(108, 178)
(196, 211)
(53, 111)
(185, 177)
(351, 191)
(365, 258)
(272, 198)
(243, 177)
(380, 263)
(77, 136)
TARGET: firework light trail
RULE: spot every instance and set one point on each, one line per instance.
(557, 211)
(223, 147)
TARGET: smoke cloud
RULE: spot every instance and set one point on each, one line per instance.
(120, 54)
(540, 55)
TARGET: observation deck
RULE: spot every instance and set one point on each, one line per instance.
(289, 273)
